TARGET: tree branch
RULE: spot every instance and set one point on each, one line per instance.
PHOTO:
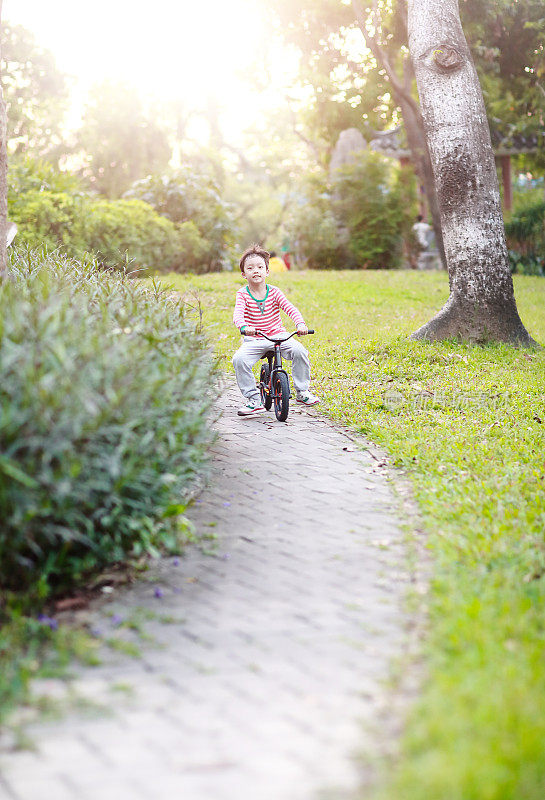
(381, 56)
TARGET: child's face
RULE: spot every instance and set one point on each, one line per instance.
(255, 270)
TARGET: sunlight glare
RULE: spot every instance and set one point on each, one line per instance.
(171, 50)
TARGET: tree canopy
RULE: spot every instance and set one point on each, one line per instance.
(348, 86)
(36, 93)
(120, 139)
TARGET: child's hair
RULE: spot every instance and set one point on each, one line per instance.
(254, 250)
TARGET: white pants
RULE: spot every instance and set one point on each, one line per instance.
(253, 349)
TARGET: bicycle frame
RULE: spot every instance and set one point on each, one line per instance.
(275, 360)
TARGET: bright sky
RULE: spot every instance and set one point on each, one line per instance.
(168, 48)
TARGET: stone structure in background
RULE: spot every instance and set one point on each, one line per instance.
(349, 144)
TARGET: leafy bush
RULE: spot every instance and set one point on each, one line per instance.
(193, 250)
(192, 195)
(370, 208)
(313, 227)
(52, 211)
(525, 234)
(49, 220)
(118, 231)
(358, 221)
(106, 390)
(26, 174)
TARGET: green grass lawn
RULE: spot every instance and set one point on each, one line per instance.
(466, 424)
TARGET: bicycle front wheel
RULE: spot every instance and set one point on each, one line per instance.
(281, 389)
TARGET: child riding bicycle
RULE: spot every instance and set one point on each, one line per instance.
(257, 308)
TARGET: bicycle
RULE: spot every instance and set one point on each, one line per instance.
(274, 385)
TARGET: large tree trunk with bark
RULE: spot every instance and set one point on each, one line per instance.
(481, 306)
(3, 177)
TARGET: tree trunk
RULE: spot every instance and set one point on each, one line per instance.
(3, 178)
(481, 306)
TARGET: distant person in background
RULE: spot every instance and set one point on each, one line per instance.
(276, 264)
(285, 252)
(422, 232)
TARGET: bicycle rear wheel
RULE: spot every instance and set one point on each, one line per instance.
(266, 398)
(281, 389)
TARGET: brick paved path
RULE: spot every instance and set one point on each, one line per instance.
(267, 675)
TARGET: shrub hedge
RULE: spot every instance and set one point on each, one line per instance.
(525, 233)
(53, 212)
(356, 219)
(106, 391)
(119, 230)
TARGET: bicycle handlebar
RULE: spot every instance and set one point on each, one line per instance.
(284, 339)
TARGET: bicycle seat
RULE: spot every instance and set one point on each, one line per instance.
(268, 354)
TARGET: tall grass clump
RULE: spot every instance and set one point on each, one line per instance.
(106, 390)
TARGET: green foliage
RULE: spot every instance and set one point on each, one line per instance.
(35, 92)
(370, 208)
(121, 140)
(506, 41)
(358, 222)
(469, 433)
(105, 392)
(263, 189)
(193, 251)
(348, 87)
(314, 228)
(525, 233)
(52, 211)
(121, 231)
(26, 173)
(343, 84)
(191, 197)
(49, 220)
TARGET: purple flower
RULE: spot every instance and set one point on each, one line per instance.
(175, 562)
(226, 556)
(117, 619)
(158, 592)
(227, 503)
(49, 621)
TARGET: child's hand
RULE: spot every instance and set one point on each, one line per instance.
(249, 331)
(302, 330)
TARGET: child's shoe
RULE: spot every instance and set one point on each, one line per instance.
(307, 398)
(251, 408)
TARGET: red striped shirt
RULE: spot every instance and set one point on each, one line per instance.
(264, 314)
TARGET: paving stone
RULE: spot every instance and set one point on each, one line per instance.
(271, 680)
